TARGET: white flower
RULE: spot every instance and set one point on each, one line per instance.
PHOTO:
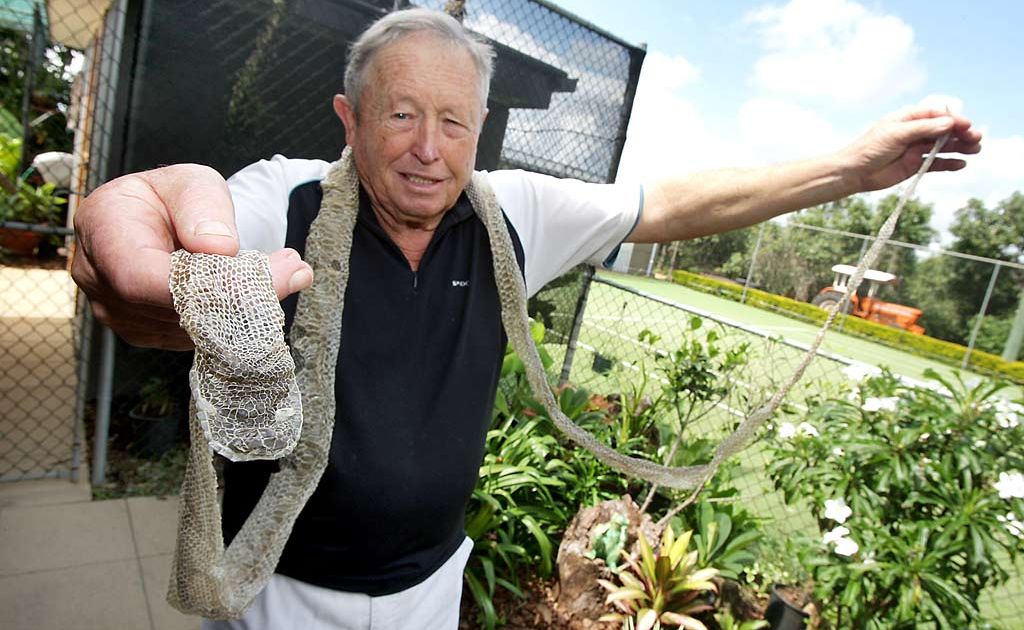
(837, 534)
(838, 451)
(787, 430)
(808, 429)
(1013, 524)
(1007, 413)
(880, 404)
(1010, 485)
(846, 547)
(980, 443)
(859, 371)
(837, 510)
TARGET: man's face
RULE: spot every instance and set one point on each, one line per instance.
(414, 136)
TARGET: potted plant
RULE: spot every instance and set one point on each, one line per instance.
(156, 419)
(22, 202)
(785, 609)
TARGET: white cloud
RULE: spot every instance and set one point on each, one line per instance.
(667, 134)
(944, 101)
(835, 50)
(992, 175)
(779, 130)
(670, 73)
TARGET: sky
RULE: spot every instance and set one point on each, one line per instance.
(742, 83)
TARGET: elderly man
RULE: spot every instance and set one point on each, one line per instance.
(381, 542)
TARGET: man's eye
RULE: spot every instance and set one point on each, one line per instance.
(401, 116)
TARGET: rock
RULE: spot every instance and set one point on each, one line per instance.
(580, 598)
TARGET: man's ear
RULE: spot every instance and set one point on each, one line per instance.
(343, 108)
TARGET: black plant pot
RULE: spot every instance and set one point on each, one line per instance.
(602, 364)
(154, 436)
(782, 615)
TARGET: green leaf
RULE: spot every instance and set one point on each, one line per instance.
(645, 619)
(483, 600)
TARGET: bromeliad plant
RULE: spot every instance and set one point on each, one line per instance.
(663, 589)
(918, 495)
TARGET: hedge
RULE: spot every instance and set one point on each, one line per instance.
(943, 351)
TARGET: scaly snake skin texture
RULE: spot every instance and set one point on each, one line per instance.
(219, 583)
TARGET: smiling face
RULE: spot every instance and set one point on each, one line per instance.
(415, 133)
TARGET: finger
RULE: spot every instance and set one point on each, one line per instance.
(926, 129)
(918, 112)
(142, 313)
(290, 272)
(142, 331)
(947, 164)
(199, 207)
(959, 145)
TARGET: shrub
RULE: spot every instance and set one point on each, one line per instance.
(917, 493)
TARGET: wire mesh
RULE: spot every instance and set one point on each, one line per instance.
(96, 90)
(40, 343)
(624, 335)
(965, 299)
(92, 90)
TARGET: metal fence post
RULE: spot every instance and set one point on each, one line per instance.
(981, 316)
(84, 356)
(753, 259)
(577, 323)
(103, 395)
(650, 261)
(1012, 349)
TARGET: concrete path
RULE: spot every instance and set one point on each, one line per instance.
(69, 562)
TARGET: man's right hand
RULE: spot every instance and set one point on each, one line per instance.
(126, 231)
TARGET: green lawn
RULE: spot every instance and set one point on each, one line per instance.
(854, 348)
(612, 327)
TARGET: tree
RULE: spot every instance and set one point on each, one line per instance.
(797, 262)
(994, 233)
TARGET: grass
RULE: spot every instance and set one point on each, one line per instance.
(612, 328)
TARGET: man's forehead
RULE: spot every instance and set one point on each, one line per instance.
(420, 65)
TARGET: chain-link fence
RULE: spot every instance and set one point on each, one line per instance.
(43, 336)
(965, 299)
(617, 340)
(94, 90)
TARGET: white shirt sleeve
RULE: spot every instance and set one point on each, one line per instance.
(564, 222)
(260, 195)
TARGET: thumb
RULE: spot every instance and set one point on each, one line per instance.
(199, 207)
(290, 273)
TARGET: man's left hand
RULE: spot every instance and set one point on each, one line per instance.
(894, 149)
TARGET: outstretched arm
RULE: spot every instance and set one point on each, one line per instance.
(125, 232)
(727, 199)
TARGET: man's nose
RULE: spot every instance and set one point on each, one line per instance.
(425, 148)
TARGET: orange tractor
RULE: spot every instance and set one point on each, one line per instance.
(869, 307)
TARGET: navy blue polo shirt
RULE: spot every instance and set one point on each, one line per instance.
(417, 372)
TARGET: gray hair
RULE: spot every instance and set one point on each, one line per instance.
(394, 26)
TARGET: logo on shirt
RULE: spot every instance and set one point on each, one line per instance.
(460, 283)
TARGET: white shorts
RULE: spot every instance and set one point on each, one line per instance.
(286, 603)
